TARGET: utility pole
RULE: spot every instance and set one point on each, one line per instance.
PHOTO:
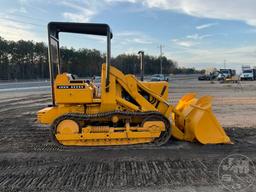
(161, 59)
(224, 63)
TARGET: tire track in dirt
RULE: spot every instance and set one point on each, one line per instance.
(14, 100)
(107, 175)
(24, 104)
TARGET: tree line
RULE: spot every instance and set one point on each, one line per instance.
(28, 60)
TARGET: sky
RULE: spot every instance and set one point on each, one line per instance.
(194, 33)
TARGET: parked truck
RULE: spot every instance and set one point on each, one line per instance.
(226, 74)
(248, 74)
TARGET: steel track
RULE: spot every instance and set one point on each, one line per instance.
(77, 117)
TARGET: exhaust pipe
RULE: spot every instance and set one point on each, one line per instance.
(141, 53)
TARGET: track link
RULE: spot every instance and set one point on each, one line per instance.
(77, 117)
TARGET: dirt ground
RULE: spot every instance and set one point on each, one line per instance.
(29, 161)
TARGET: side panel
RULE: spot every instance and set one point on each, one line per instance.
(160, 88)
(67, 91)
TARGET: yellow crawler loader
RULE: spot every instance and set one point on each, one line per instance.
(125, 111)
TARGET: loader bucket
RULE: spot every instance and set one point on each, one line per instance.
(183, 104)
(197, 121)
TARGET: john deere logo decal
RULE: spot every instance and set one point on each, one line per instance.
(70, 87)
